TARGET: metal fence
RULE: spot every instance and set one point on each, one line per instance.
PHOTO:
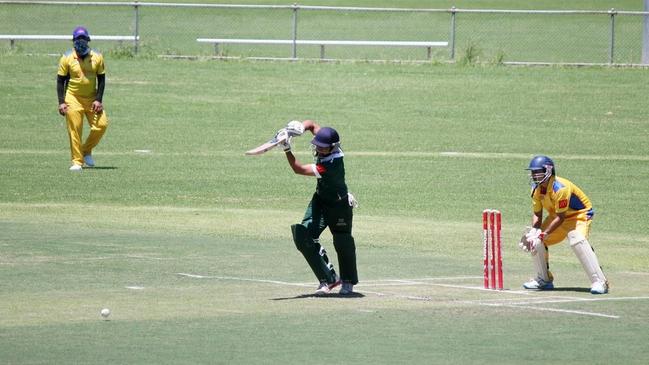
(608, 36)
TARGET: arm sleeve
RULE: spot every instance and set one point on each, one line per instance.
(101, 84)
(61, 83)
(62, 77)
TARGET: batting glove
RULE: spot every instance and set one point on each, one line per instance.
(352, 200)
(286, 145)
(295, 128)
(281, 134)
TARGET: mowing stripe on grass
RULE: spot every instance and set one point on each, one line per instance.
(423, 154)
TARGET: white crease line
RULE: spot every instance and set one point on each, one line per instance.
(379, 294)
(634, 273)
(553, 310)
(426, 279)
(411, 297)
(552, 300)
(481, 302)
(147, 257)
(529, 300)
(531, 304)
(242, 279)
(481, 288)
(602, 299)
(390, 282)
(192, 276)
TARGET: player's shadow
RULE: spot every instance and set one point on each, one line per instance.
(573, 289)
(331, 295)
(101, 168)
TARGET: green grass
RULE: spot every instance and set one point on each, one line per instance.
(499, 37)
(428, 147)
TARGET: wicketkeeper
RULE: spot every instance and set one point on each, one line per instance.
(570, 214)
(331, 206)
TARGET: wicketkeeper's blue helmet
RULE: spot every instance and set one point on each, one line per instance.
(80, 32)
(541, 168)
(326, 137)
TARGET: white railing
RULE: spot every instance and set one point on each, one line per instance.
(12, 38)
(453, 13)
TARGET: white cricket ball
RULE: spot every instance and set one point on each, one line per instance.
(105, 312)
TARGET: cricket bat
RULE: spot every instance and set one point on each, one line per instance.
(272, 143)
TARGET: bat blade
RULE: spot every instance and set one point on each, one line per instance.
(265, 147)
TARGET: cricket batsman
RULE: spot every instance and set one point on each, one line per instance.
(81, 80)
(569, 214)
(331, 206)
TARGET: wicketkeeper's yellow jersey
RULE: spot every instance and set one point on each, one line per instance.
(83, 73)
(562, 196)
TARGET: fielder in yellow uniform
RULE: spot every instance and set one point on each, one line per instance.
(80, 88)
(569, 215)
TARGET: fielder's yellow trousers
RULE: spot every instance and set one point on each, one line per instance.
(77, 109)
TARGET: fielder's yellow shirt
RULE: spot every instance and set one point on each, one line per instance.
(82, 72)
(562, 196)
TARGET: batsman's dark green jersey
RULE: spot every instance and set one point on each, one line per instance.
(330, 172)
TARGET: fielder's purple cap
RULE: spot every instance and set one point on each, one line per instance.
(80, 32)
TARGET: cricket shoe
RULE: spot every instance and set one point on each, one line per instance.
(89, 161)
(325, 288)
(346, 289)
(599, 287)
(538, 284)
(76, 168)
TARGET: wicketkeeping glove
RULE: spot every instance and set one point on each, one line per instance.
(530, 240)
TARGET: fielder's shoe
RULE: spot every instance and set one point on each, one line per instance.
(346, 289)
(76, 168)
(538, 284)
(600, 287)
(89, 161)
(325, 288)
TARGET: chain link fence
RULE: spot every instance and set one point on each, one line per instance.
(613, 37)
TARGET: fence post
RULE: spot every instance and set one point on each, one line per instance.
(295, 7)
(137, 27)
(645, 35)
(611, 51)
(452, 40)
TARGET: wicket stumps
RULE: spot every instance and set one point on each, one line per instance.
(493, 254)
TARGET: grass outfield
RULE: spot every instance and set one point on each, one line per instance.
(189, 243)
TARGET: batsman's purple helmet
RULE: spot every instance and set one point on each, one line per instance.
(80, 32)
(326, 137)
